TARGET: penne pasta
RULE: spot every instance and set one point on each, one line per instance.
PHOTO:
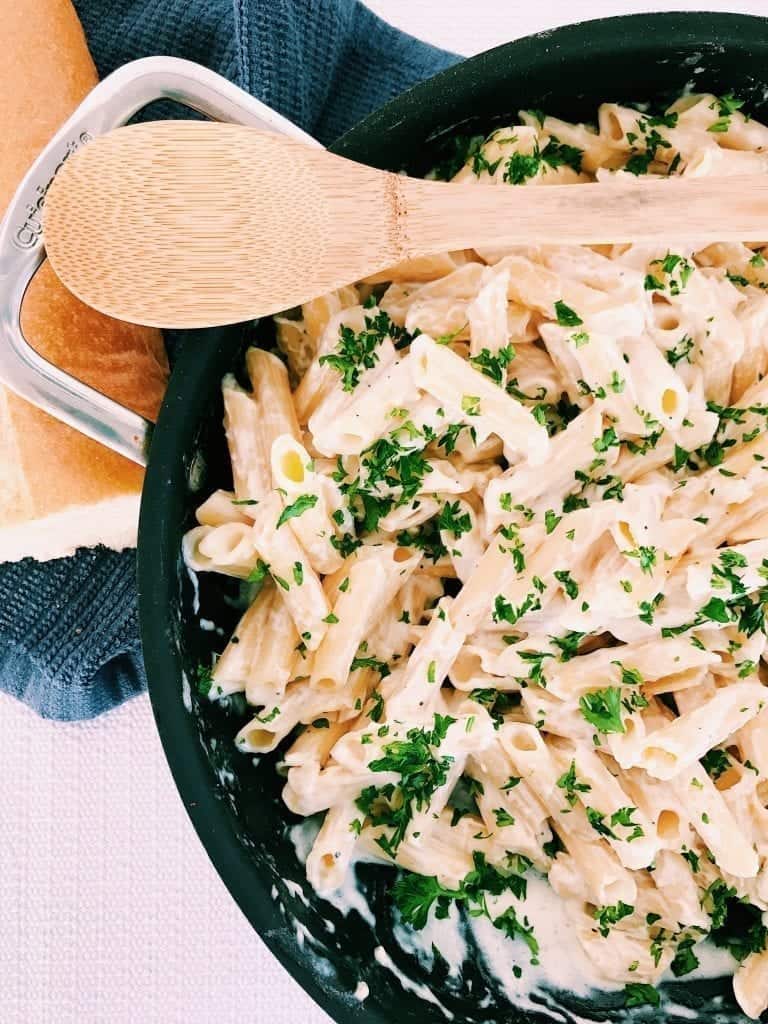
(500, 531)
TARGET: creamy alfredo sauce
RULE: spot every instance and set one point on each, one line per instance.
(563, 965)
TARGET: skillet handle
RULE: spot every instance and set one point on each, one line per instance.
(110, 104)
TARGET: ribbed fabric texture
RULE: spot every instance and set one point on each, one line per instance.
(69, 643)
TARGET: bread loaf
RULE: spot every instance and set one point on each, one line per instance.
(59, 489)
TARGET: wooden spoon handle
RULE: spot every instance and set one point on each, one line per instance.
(439, 218)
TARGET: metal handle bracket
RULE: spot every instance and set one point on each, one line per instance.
(110, 104)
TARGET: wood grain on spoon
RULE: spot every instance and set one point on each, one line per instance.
(190, 224)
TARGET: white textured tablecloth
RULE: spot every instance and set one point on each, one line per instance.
(109, 908)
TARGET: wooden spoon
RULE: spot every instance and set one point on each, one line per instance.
(189, 224)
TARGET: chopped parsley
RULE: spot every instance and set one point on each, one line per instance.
(494, 366)
(391, 475)
(536, 660)
(269, 717)
(378, 666)
(602, 708)
(569, 584)
(620, 818)
(623, 818)
(451, 436)
(646, 557)
(725, 106)
(724, 575)
(559, 154)
(497, 703)
(571, 786)
(608, 439)
(681, 458)
(682, 350)
(715, 901)
(522, 166)
(566, 316)
(511, 925)
(356, 352)
(460, 150)
(640, 161)
(453, 520)
(346, 544)
(504, 611)
(692, 858)
(551, 520)
(416, 895)
(677, 271)
(637, 993)
(629, 676)
(597, 820)
(607, 917)
(746, 612)
(568, 645)
(421, 772)
(426, 538)
(203, 680)
(258, 573)
(297, 508)
(738, 279)
(503, 817)
(685, 960)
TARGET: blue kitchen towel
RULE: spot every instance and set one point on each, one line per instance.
(69, 636)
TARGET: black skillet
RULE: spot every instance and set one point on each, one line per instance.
(234, 804)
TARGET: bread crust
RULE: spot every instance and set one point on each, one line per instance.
(48, 469)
